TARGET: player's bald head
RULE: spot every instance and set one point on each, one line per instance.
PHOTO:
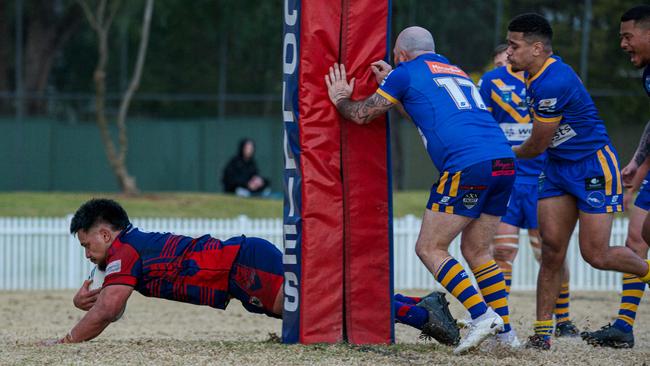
(415, 40)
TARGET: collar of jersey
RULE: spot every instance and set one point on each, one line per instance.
(517, 75)
(547, 63)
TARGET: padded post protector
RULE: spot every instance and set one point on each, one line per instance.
(338, 248)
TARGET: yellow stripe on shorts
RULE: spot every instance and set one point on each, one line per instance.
(607, 172)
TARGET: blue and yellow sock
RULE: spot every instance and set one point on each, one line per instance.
(453, 277)
(507, 277)
(544, 328)
(493, 288)
(562, 305)
(633, 289)
(410, 314)
(407, 299)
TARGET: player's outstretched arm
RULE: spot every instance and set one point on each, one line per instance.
(109, 305)
(540, 138)
(339, 92)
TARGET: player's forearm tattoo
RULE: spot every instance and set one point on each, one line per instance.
(643, 151)
(364, 111)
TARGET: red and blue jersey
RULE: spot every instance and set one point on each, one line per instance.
(504, 94)
(174, 267)
(457, 129)
(556, 94)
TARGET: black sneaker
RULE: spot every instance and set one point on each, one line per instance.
(609, 336)
(566, 329)
(441, 326)
(538, 342)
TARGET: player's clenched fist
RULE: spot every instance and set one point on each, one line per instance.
(85, 298)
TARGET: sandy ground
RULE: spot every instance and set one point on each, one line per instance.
(159, 332)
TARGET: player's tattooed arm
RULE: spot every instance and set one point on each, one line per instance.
(643, 151)
(363, 111)
(339, 91)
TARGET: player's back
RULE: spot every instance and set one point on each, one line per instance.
(556, 94)
(443, 102)
(178, 267)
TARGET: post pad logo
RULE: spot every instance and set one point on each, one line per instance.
(596, 199)
(470, 200)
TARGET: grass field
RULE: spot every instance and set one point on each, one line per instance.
(161, 332)
(171, 204)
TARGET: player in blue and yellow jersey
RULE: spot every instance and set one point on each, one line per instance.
(201, 271)
(582, 179)
(635, 40)
(504, 93)
(476, 164)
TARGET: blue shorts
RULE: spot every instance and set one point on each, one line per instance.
(594, 181)
(480, 188)
(643, 199)
(522, 207)
(257, 276)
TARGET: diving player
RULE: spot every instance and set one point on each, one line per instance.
(635, 40)
(201, 271)
(504, 93)
(476, 164)
(582, 179)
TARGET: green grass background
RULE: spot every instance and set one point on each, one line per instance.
(167, 204)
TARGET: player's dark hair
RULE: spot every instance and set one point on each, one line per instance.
(639, 14)
(534, 27)
(499, 49)
(99, 210)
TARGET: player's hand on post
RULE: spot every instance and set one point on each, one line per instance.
(628, 173)
(85, 298)
(381, 69)
(337, 84)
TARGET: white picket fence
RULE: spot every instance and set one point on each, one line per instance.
(39, 253)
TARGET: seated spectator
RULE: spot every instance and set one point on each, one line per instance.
(241, 176)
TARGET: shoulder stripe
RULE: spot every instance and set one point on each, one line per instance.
(518, 75)
(389, 97)
(547, 119)
(500, 84)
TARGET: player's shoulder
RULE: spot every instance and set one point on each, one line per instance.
(555, 76)
(497, 72)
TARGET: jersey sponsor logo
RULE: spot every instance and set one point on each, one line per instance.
(503, 167)
(596, 199)
(516, 131)
(506, 92)
(563, 134)
(440, 68)
(470, 200)
(114, 267)
(615, 199)
(595, 183)
(547, 105)
(444, 200)
(472, 188)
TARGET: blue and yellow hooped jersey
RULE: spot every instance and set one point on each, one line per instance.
(556, 94)
(504, 93)
(447, 108)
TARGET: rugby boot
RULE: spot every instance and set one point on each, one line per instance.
(441, 325)
(566, 329)
(537, 341)
(480, 329)
(609, 336)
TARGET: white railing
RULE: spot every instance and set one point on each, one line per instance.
(39, 253)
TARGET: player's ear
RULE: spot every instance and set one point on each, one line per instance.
(105, 234)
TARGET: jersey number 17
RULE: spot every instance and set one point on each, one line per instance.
(456, 88)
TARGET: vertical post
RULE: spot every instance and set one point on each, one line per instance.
(498, 19)
(586, 34)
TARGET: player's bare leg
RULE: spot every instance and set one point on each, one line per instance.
(619, 334)
(437, 232)
(595, 231)
(557, 219)
(504, 250)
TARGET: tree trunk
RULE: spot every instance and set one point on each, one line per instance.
(4, 46)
